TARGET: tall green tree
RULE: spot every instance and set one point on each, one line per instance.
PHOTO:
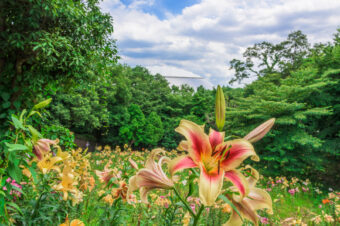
(265, 57)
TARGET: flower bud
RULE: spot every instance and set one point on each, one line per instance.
(259, 132)
(220, 108)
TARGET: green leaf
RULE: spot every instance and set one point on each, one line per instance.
(35, 134)
(22, 115)
(42, 104)
(17, 124)
(6, 104)
(32, 113)
(5, 96)
(16, 147)
(15, 206)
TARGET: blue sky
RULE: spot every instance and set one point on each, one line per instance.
(197, 38)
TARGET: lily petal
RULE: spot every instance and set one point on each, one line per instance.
(198, 141)
(132, 186)
(210, 186)
(180, 163)
(239, 181)
(215, 138)
(260, 199)
(240, 149)
(252, 180)
(246, 211)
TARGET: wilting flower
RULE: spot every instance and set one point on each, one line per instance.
(259, 132)
(42, 147)
(49, 163)
(121, 191)
(215, 158)
(106, 175)
(150, 177)
(256, 199)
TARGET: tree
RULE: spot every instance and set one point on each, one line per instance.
(51, 45)
(265, 58)
(133, 132)
(153, 131)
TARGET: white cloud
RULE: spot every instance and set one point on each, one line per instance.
(206, 36)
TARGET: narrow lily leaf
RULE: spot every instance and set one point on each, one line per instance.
(231, 204)
(220, 108)
(32, 113)
(22, 115)
(42, 104)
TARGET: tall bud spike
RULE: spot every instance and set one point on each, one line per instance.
(220, 108)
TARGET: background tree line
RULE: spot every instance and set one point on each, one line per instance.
(65, 50)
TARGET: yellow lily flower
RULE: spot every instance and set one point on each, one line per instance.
(67, 182)
(49, 163)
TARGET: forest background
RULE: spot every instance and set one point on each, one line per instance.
(65, 50)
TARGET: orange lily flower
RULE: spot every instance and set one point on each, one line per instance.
(256, 199)
(150, 177)
(215, 158)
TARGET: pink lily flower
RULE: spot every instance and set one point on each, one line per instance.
(215, 158)
(150, 177)
(42, 147)
(255, 200)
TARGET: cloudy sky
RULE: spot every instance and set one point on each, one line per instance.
(198, 38)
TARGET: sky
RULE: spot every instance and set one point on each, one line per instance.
(198, 38)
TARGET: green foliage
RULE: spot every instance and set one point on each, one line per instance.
(305, 104)
(48, 46)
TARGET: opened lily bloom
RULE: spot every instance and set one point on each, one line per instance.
(150, 177)
(215, 158)
(256, 199)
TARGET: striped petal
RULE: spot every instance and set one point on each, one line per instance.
(198, 141)
(215, 138)
(180, 163)
(240, 149)
(239, 182)
(210, 186)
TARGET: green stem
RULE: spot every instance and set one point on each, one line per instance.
(197, 217)
(185, 203)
